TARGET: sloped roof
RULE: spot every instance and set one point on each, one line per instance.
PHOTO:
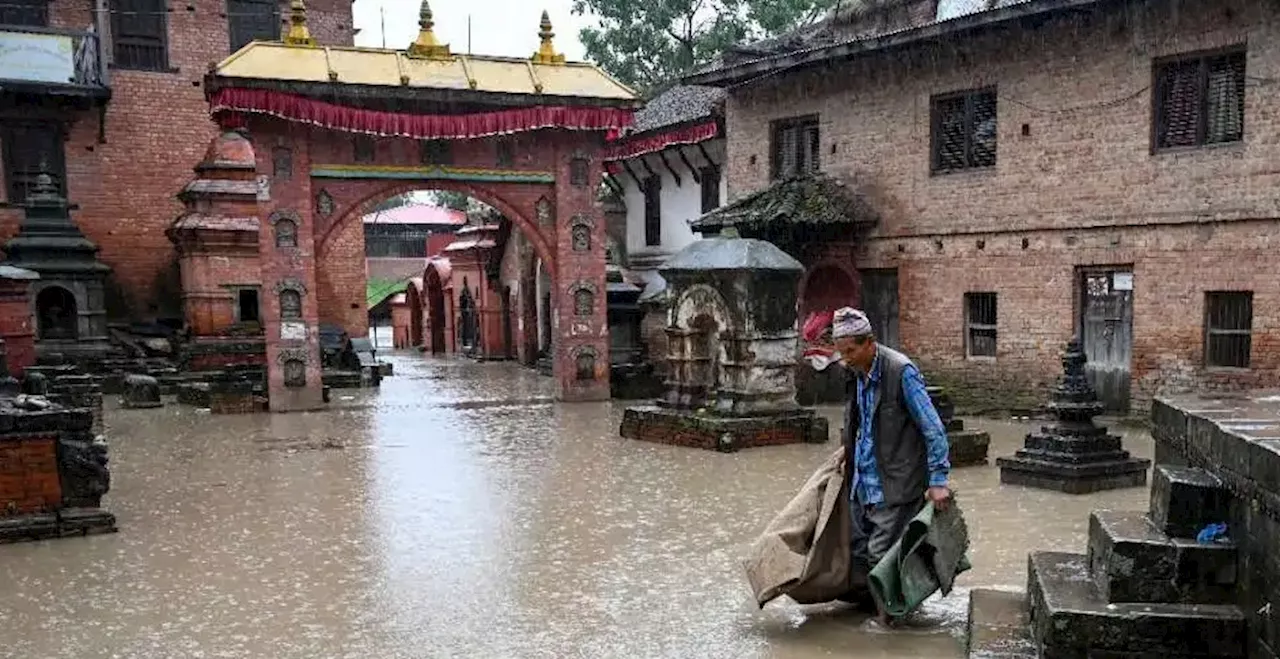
(814, 199)
(418, 214)
(678, 105)
(731, 254)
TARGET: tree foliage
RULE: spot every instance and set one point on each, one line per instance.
(458, 201)
(650, 43)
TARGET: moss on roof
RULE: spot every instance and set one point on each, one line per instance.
(815, 199)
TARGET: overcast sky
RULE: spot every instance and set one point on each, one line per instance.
(498, 27)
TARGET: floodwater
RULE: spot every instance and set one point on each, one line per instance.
(457, 512)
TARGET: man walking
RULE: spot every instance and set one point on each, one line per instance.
(895, 443)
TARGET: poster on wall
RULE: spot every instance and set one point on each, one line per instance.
(293, 331)
(37, 57)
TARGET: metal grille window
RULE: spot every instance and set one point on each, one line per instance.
(31, 149)
(652, 211)
(1199, 100)
(794, 148)
(964, 131)
(32, 13)
(1228, 329)
(250, 20)
(980, 324)
(140, 32)
(710, 188)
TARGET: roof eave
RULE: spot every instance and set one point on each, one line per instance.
(732, 75)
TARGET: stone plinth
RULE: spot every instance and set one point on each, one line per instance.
(69, 387)
(968, 447)
(1072, 454)
(53, 472)
(680, 428)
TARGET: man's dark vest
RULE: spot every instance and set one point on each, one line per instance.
(900, 448)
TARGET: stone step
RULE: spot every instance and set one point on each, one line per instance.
(1131, 560)
(1186, 499)
(1068, 444)
(1070, 621)
(999, 625)
(1074, 457)
(1072, 478)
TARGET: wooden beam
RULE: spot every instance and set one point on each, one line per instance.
(645, 162)
(627, 166)
(616, 187)
(674, 175)
(697, 178)
(707, 156)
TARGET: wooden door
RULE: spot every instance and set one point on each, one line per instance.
(880, 303)
(1106, 332)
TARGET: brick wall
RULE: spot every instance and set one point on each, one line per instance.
(1075, 178)
(156, 130)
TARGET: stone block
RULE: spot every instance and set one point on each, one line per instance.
(1131, 560)
(1069, 620)
(1185, 500)
(998, 625)
(141, 392)
(969, 447)
(194, 393)
(686, 428)
(1072, 478)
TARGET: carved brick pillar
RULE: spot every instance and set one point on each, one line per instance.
(286, 250)
(582, 335)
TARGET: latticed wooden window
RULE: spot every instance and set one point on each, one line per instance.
(652, 211)
(140, 31)
(29, 150)
(1228, 328)
(32, 13)
(794, 147)
(964, 131)
(1199, 100)
(250, 20)
(980, 324)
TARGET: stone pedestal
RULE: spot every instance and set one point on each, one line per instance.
(53, 472)
(968, 447)
(1072, 454)
(731, 351)
(141, 392)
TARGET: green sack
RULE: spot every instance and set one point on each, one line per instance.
(928, 557)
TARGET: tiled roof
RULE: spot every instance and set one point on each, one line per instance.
(813, 199)
(418, 214)
(678, 105)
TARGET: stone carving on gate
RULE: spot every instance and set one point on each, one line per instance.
(291, 284)
(285, 224)
(546, 213)
(295, 374)
(580, 233)
(325, 206)
(584, 363)
(579, 170)
(290, 305)
(282, 163)
(584, 299)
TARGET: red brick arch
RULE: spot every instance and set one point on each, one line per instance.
(389, 189)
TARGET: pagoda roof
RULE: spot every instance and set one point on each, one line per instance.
(385, 67)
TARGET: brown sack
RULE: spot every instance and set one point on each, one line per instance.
(804, 553)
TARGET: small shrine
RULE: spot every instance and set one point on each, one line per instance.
(1072, 454)
(53, 467)
(732, 346)
(68, 299)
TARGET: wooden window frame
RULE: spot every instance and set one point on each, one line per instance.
(1159, 65)
(935, 126)
(1210, 332)
(710, 187)
(652, 186)
(274, 7)
(975, 297)
(14, 192)
(161, 48)
(23, 9)
(800, 125)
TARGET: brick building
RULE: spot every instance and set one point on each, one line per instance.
(112, 104)
(1039, 169)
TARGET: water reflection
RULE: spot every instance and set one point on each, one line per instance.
(447, 515)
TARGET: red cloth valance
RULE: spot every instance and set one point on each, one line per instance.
(640, 145)
(226, 104)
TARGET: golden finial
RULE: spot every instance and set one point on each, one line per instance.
(297, 33)
(547, 51)
(426, 44)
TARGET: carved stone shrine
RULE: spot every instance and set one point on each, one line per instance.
(68, 299)
(732, 348)
(53, 470)
(968, 447)
(1072, 454)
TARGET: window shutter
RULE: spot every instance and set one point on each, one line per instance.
(1179, 99)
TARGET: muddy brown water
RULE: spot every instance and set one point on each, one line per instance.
(458, 512)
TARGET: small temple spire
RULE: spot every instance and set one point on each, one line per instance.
(547, 51)
(297, 33)
(426, 45)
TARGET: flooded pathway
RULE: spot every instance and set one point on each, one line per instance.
(459, 513)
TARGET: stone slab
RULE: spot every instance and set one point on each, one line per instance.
(66, 523)
(999, 625)
(1185, 500)
(1069, 620)
(968, 448)
(686, 428)
(1073, 479)
(1131, 560)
